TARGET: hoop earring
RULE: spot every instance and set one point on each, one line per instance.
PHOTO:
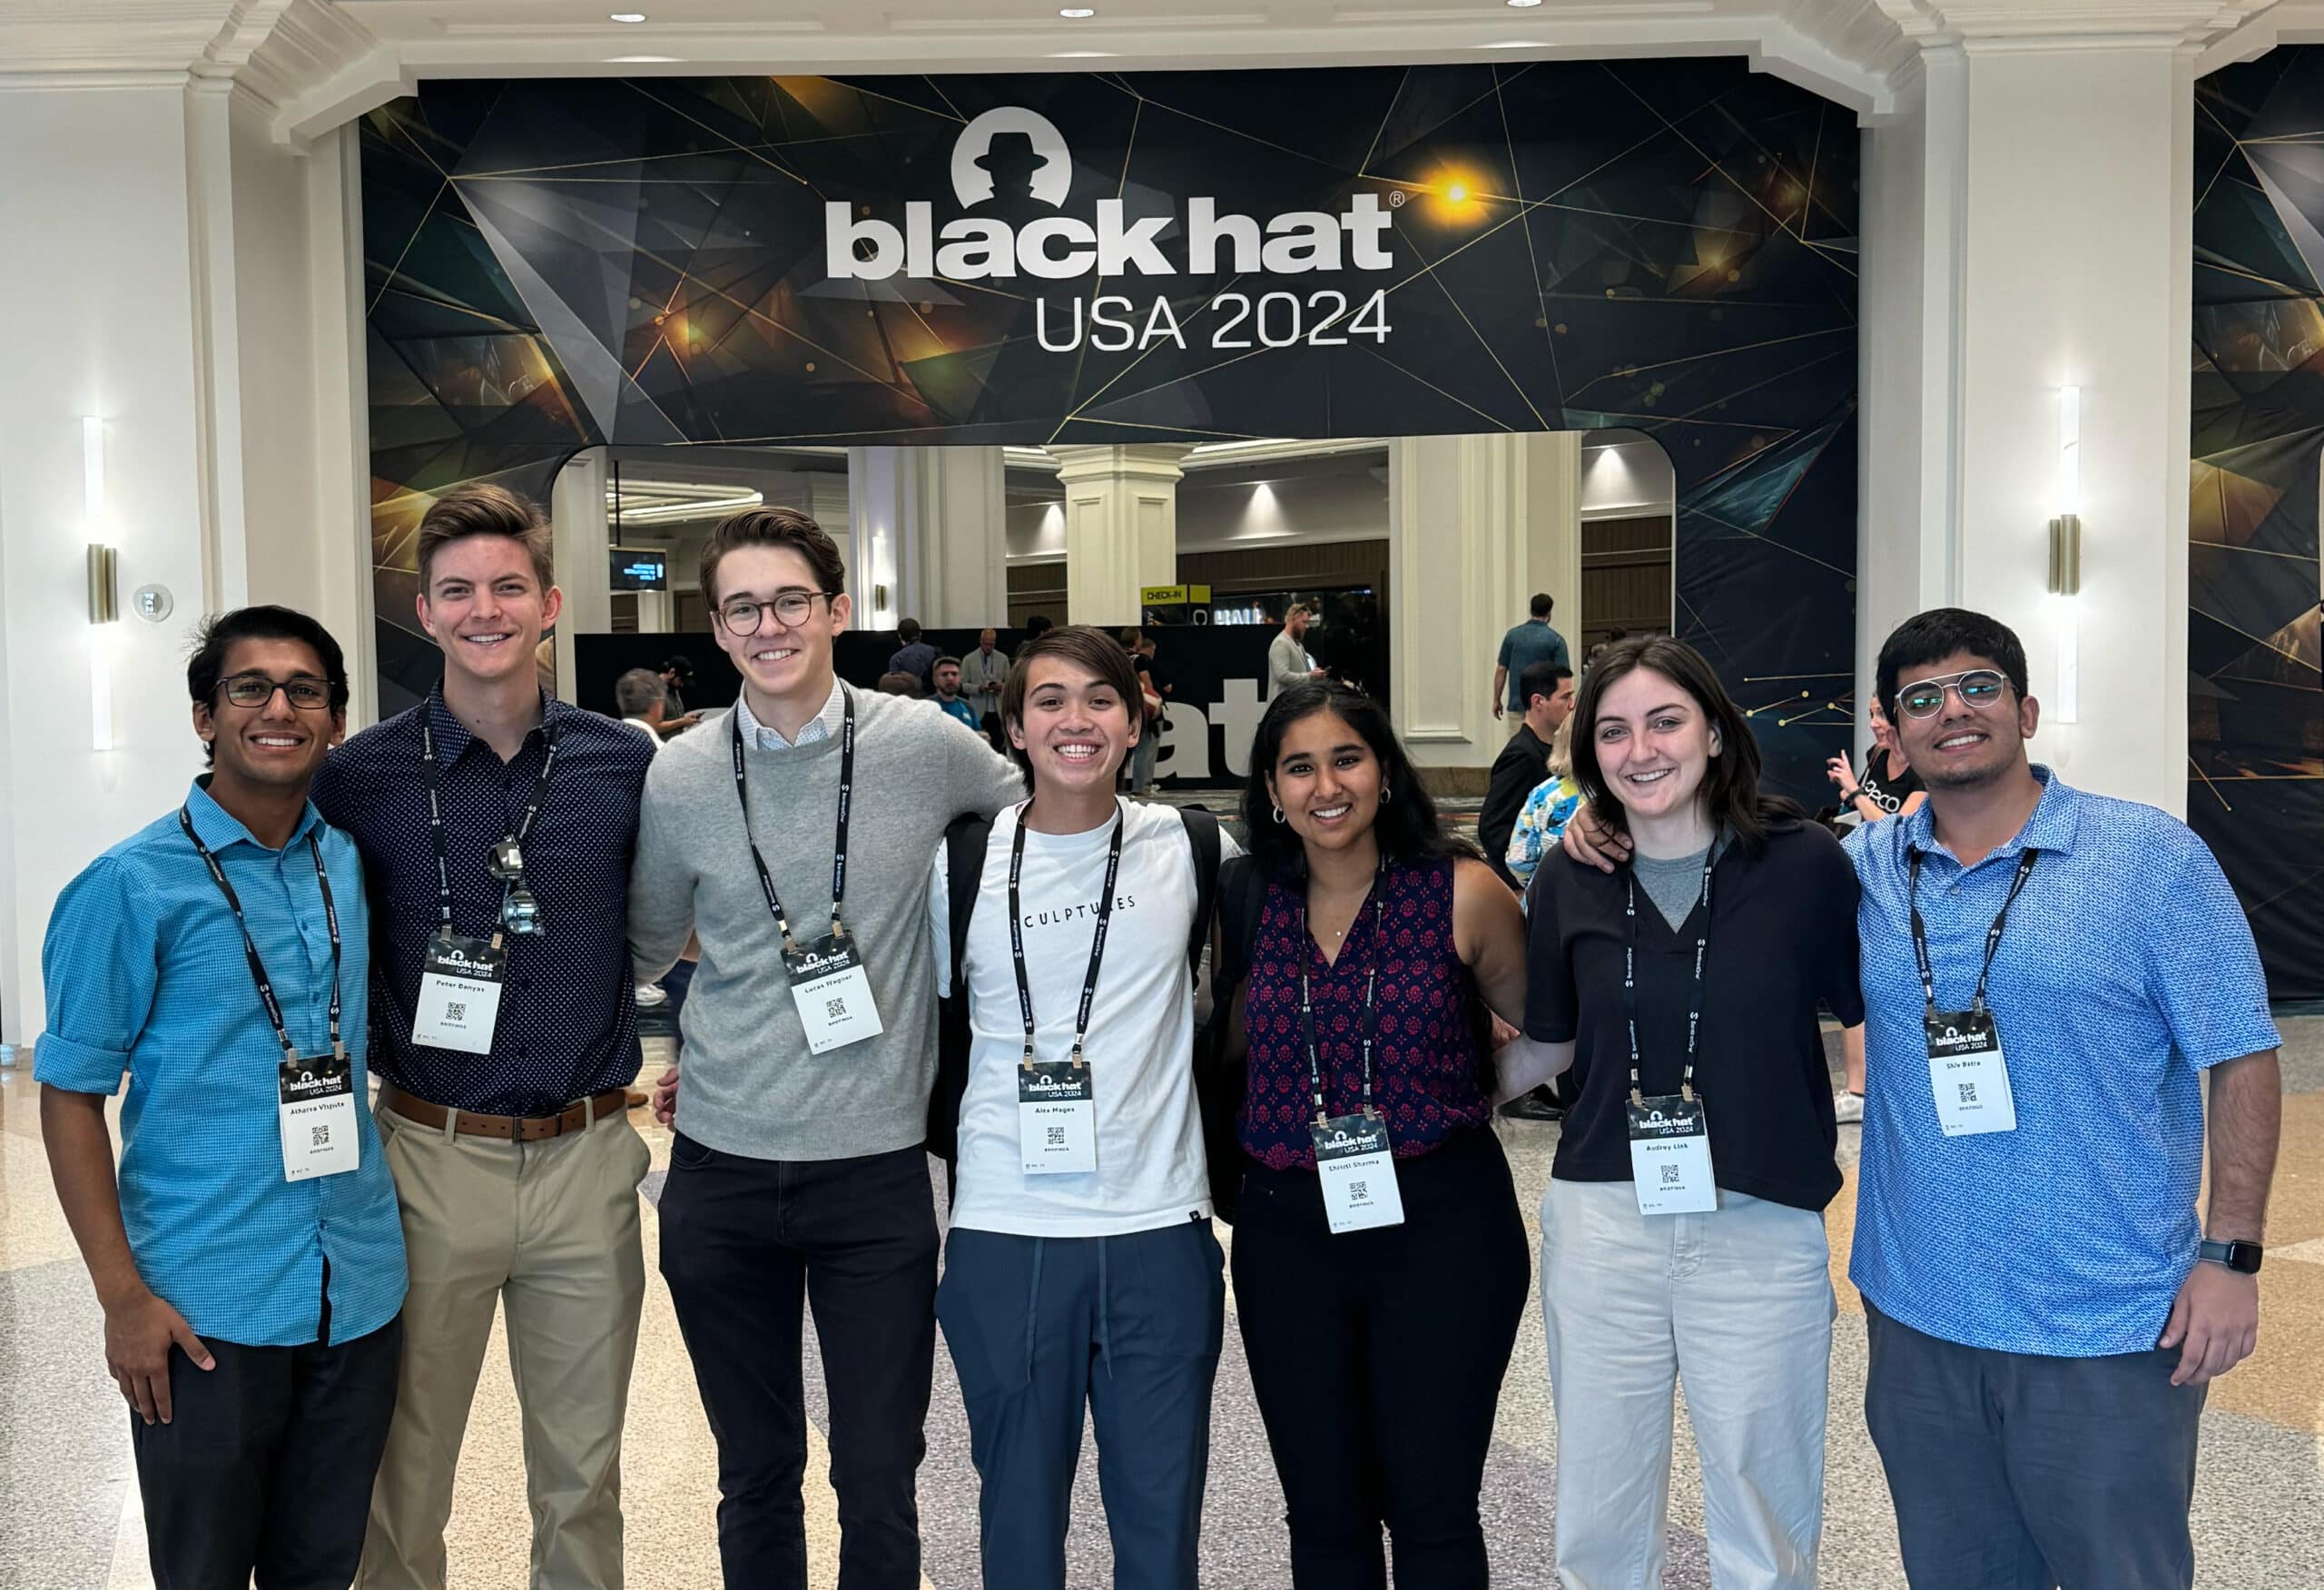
(1386, 795)
(1278, 814)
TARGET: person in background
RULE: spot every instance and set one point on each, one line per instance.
(1683, 1232)
(900, 683)
(946, 676)
(1095, 1280)
(1531, 642)
(1154, 694)
(248, 1258)
(912, 655)
(1547, 690)
(1379, 1295)
(677, 678)
(638, 697)
(1289, 663)
(983, 672)
(1035, 627)
(1541, 820)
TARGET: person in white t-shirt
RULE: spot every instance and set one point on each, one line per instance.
(1081, 1269)
(642, 697)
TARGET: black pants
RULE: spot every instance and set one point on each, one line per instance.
(266, 1466)
(743, 1242)
(1377, 1357)
(2014, 1471)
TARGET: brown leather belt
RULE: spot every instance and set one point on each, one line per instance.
(507, 1128)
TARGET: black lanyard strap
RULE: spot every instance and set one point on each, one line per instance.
(1371, 1031)
(521, 833)
(249, 949)
(1695, 1002)
(1992, 934)
(1096, 943)
(839, 845)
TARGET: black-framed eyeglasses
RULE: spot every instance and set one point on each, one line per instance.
(1975, 687)
(306, 693)
(744, 616)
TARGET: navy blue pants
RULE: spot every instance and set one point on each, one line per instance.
(2013, 1471)
(1129, 1326)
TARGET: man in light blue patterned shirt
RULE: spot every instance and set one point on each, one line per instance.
(2044, 1309)
(249, 1257)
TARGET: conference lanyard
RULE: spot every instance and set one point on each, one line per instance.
(1695, 1004)
(1370, 1030)
(1992, 934)
(1096, 943)
(514, 880)
(838, 846)
(249, 949)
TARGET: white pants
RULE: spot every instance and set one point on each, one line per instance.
(1739, 1303)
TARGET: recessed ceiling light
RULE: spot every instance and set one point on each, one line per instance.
(1081, 55)
(1516, 44)
(1078, 12)
(1524, 5)
(629, 16)
(639, 60)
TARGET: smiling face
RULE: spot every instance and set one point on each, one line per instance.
(276, 745)
(1326, 781)
(1076, 730)
(485, 606)
(1653, 744)
(780, 660)
(1959, 745)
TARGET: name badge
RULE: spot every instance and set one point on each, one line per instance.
(460, 995)
(1968, 1075)
(1057, 1119)
(832, 994)
(1670, 1155)
(318, 1118)
(1358, 1173)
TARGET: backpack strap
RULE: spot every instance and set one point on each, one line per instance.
(965, 841)
(1201, 833)
(1222, 1076)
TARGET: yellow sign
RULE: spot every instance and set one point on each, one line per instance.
(1172, 595)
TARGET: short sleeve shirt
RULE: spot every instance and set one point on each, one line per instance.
(145, 975)
(1779, 947)
(2126, 968)
(1521, 649)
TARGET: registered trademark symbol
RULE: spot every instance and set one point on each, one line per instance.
(1397, 199)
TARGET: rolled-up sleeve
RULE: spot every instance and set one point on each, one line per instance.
(100, 966)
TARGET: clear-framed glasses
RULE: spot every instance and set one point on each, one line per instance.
(1977, 687)
(307, 695)
(744, 616)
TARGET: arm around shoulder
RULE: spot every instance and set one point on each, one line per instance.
(661, 879)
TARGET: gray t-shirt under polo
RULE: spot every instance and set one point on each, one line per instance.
(750, 1086)
(1674, 885)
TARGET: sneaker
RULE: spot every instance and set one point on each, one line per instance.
(1847, 1107)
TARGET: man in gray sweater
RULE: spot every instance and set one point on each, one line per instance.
(797, 1171)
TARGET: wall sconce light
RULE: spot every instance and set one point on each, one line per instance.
(105, 585)
(2066, 556)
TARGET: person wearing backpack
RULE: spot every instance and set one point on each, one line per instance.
(1081, 1269)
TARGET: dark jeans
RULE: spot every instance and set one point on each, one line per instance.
(743, 1242)
(1377, 1359)
(2014, 1471)
(1129, 1327)
(266, 1466)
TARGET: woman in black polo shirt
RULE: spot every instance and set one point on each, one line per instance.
(1683, 1231)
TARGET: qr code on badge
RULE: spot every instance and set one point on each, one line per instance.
(1669, 1175)
(1968, 1092)
(322, 1137)
(1056, 1137)
(1357, 1191)
(835, 1009)
(456, 1011)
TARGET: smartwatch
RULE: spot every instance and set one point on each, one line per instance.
(2243, 1257)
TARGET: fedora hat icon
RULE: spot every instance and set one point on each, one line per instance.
(1032, 139)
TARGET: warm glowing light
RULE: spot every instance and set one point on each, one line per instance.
(629, 16)
(2070, 450)
(1458, 193)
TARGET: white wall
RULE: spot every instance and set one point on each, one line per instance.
(1625, 475)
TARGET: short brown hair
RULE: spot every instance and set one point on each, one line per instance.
(1087, 649)
(486, 510)
(774, 526)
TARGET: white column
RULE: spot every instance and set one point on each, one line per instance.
(2027, 230)
(1477, 524)
(582, 540)
(931, 521)
(1121, 527)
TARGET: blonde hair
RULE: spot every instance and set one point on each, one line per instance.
(486, 511)
(1561, 750)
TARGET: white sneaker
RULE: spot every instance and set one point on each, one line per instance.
(1847, 1107)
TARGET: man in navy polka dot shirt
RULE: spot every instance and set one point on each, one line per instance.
(496, 827)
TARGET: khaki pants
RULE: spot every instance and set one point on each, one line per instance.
(549, 1232)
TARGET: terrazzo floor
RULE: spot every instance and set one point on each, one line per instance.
(68, 1506)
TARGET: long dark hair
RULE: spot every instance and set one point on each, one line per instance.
(1730, 788)
(1407, 828)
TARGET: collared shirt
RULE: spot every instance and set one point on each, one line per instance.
(982, 676)
(2126, 968)
(822, 726)
(1531, 642)
(144, 972)
(568, 1022)
(653, 734)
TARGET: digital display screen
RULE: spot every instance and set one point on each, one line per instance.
(638, 568)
